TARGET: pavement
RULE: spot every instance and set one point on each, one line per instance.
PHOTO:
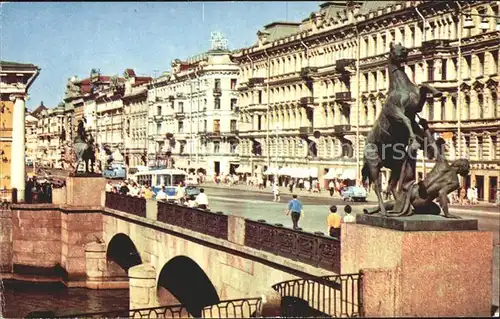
(284, 191)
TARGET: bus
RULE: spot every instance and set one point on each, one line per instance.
(156, 178)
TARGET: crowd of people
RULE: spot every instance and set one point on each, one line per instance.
(131, 188)
(39, 190)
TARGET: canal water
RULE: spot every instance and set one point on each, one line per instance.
(21, 298)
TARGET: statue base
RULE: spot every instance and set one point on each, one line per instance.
(84, 190)
(417, 222)
(420, 273)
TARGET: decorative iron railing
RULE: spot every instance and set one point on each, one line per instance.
(312, 249)
(329, 296)
(237, 308)
(128, 204)
(202, 221)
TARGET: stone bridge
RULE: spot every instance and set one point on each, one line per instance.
(198, 259)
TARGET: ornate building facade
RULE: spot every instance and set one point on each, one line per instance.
(50, 127)
(196, 104)
(135, 109)
(304, 103)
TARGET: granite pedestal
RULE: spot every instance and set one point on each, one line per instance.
(84, 190)
(419, 266)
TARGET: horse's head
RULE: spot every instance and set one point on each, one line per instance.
(462, 166)
(397, 53)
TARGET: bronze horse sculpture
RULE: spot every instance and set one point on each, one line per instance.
(396, 136)
(84, 150)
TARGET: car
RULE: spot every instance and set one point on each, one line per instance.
(192, 192)
(354, 193)
(115, 172)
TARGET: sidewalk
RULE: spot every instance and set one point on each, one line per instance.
(483, 207)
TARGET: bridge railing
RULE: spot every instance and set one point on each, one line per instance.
(128, 204)
(313, 249)
(202, 221)
(236, 308)
(329, 296)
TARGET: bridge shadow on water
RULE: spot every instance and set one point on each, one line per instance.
(182, 279)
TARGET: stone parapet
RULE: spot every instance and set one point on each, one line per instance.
(420, 273)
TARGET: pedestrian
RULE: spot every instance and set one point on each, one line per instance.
(161, 195)
(124, 189)
(331, 187)
(276, 192)
(109, 186)
(290, 186)
(295, 210)
(348, 218)
(333, 221)
(180, 192)
(202, 199)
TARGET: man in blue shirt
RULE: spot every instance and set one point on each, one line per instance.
(295, 209)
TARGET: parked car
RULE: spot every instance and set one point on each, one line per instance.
(115, 172)
(354, 193)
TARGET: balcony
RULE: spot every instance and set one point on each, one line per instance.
(305, 130)
(345, 65)
(180, 114)
(231, 133)
(343, 96)
(171, 97)
(432, 46)
(341, 129)
(217, 91)
(255, 81)
(307, 101)
(179, 95)
(308, 71)
(215, 134)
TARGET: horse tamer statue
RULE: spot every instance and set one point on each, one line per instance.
(84, 149)
(394, 141)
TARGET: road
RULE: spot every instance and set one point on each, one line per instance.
(261, 206)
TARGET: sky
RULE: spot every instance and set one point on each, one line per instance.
(70, 38)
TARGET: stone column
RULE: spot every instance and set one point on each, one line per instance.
(18, 170)
(142, 281)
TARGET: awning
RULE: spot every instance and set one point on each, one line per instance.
(348, 173)
(285, 171)
(313, 172)
(300, 173)
(332, 173)
(271, 171)
(243, 169)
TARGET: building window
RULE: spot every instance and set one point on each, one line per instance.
(205, 105)
(158, 110)
(260, 97)
(443, 108)
(181, 107)
(232, 148)
(205, 125)
(217, 84)
(493, 153)
(217, 103)
(181, 148)
(259, 122)
(431, 109)
(158, 128)
(216, 147)
(233, 104)
(216, 125)
(233, 125)
(233, 84)
(480, 106)
(180, 127)
(479, 154)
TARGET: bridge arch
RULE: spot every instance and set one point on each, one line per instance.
(184, 280)
(122, 251)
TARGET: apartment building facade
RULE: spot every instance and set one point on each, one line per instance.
(193, 114)
(303, 107)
